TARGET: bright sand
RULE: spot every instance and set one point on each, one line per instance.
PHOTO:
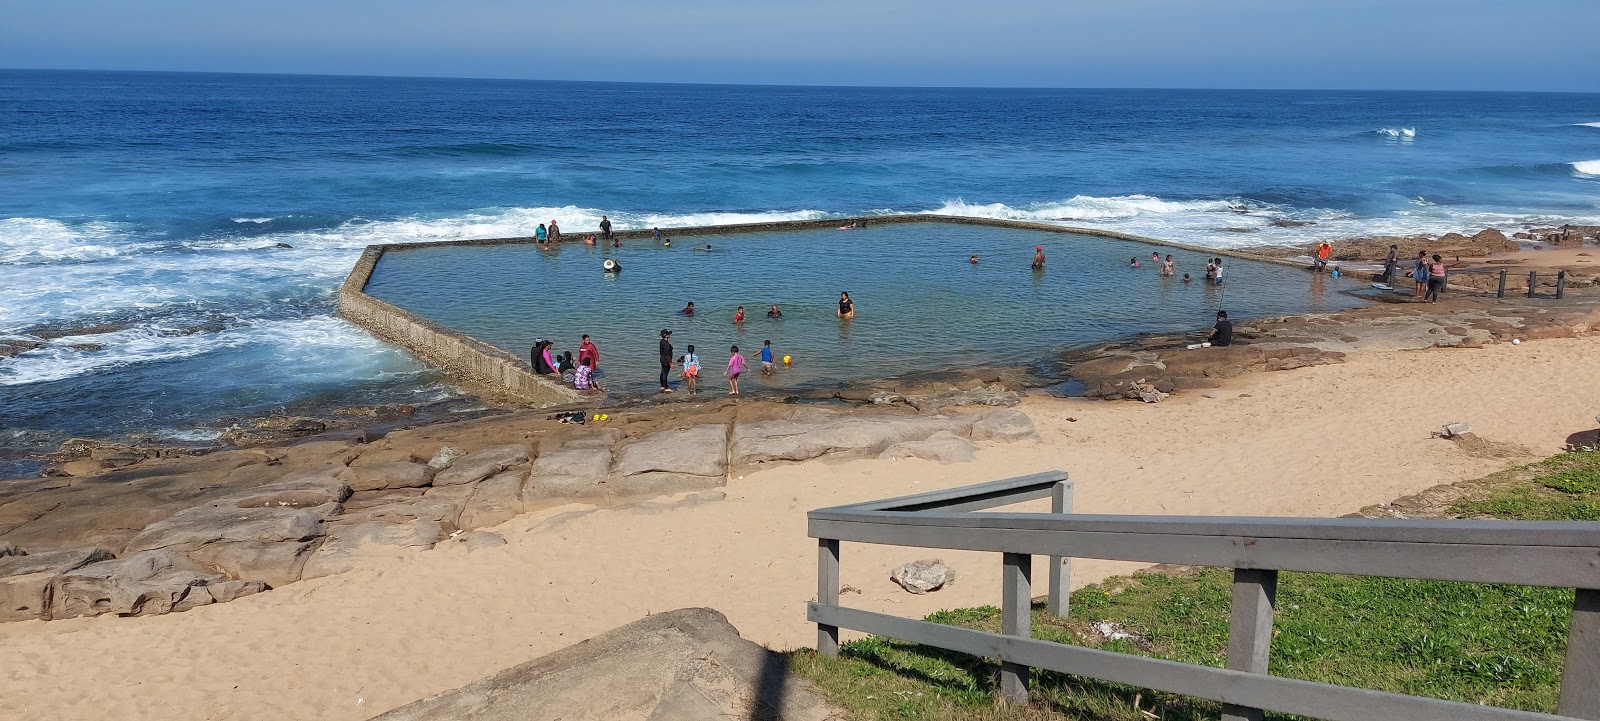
(1320, 441)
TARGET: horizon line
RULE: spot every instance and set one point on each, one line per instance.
(784, 85)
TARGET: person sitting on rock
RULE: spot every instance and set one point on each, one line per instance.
(1222, 333)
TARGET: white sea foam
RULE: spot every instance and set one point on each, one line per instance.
(43, 240)
(257, 221)
(1587, 167)
(1595, 124)
(1083, 207)
(1401, 134)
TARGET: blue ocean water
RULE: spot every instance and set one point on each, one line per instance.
(144, 211)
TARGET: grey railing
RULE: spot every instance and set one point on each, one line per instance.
(1534, 553)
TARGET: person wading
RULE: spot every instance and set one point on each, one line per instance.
(666, 358)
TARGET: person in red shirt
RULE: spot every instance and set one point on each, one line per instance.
(738, 315)
(587, 349)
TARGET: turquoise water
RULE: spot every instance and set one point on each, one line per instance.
(920, 303)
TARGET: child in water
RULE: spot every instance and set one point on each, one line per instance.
(738, 315)
(691, 370)
(735, 367)
(1133, 262)
(1186, 277)
(766, 357)
(974, 259)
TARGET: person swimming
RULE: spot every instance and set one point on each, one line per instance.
(1186, 277)
(1133, 262)
(773, 312)
(974, 259)
(707, 246)
(688, 309)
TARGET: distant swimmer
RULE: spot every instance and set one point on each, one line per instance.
(847, 308)
(974, 259)
(611, 266)
(688, 309)
(666, 242)
(1155, 257)
(1186, 278)
(1038, 257)
(848, 226)
(1133, 262)
(773, 312)
(616, 243)
(707, 246)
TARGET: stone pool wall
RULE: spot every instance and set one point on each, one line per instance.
(487, 369)
(476, 364)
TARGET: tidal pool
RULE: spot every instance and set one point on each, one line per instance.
(920, 304)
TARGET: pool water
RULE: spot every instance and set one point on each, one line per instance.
(920, 304)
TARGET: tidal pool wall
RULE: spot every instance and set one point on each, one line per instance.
(489, 370)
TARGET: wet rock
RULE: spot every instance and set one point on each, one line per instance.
(944, 447)
(393, 411)
(698, 451)
(1004, 425)
(267, 544)
(273, 430)
(347, 547)
(9, 348)
(379, 476)
(141, 584)
(195, 329)
(479, 465)
(86, 347)
(923, 576)
(497, 500)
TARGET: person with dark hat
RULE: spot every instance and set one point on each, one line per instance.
(666, 358)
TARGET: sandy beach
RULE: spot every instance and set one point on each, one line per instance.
(1317, 441)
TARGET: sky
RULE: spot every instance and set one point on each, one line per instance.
(1345, 44)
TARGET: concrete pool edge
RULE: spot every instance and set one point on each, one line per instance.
(485, 368)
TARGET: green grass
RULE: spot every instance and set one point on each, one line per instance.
(1490, 644)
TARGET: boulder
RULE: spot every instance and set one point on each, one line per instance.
(944, 447)
(497, 500)
(479, 465)
(11, 549)
(267, 544)
(141, 584)
(920, 577)
(346, 547)
(659, 484)
(305, 489)
(25, 579)
(564, 487)
(580, 462)
(443, 458)
(696, 451)
(378, 476)
(1004, 425)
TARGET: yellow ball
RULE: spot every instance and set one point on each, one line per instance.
(787, 359)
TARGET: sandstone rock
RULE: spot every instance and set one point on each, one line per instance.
(588, 438)
(478, 540)
(698, 451)
(346, 547)
(218, 592)
(944, 447)
(25, 579)
(391, 411)
(384, 456)
(540, 487)
(479, 465)
(146, 583)
(659, 484)
(11, 549)
(274, 429)
(78, 469)
(817, 433)
(497, 500)
(923, 576)
(443, 458)
(306, 489)
(378, 476)
(441, 510)
(1004, 425)
(267, 544)
(575, 462)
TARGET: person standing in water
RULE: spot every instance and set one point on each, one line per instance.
(555, 233)
(1038, 257)
(688, 310)
(738, 315)
(773, 312)
(1169, 268)
(605, 228)
(766, 357)
(658, 234)
(587, 349)
(666, 358)
(735, 367)
(691, 371)
(540, 235)
(847, 309)
(1216, 273)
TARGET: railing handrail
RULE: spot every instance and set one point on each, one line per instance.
(1540, 553)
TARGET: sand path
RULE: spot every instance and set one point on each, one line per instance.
(1315, 442)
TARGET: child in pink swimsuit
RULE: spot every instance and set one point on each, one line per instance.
(735, 367)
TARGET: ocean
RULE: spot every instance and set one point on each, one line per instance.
(143, 214)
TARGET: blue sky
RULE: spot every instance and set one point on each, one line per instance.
(1399, 44)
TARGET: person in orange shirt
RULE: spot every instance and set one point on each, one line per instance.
(1324, 250)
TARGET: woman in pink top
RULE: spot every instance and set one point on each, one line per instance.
(735, 367)
(1436, 279)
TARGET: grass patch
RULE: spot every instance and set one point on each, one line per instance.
(1488, 644)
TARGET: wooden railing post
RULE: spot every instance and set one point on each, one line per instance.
(1580, 678)
(1250, 630)
(828, 593)
(1060, 567)
(1016, 619)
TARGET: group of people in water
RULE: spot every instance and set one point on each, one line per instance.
(689, 365)
(580, 373)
